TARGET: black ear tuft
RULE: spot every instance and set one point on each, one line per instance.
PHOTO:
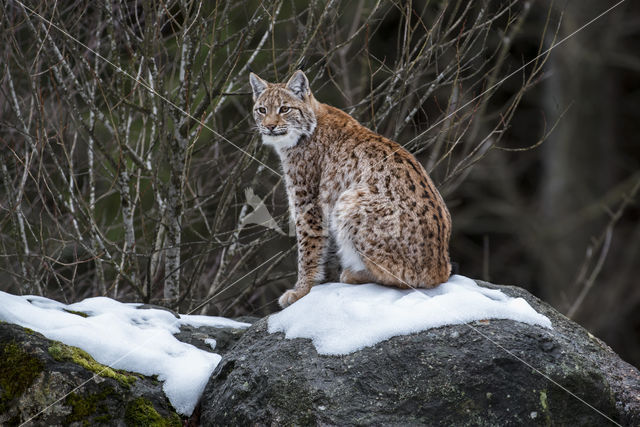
(257, 85)
(299, 85)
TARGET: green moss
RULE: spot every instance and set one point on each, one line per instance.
(77, 313)
(62, 352)
(140, 412)
(543, 400)
(545, 407)
(81, 407)
(18, 370)
(102, 419)
(89, 408)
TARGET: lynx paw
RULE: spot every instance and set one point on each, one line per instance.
(290, 297)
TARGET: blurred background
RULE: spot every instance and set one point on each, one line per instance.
(127, 145)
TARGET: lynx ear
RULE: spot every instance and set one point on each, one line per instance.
(258, 85)
(299, 84)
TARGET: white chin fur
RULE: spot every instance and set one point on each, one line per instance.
(281, 142)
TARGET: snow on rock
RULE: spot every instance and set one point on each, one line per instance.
(211, 343)
(123, 337)
(341, 318)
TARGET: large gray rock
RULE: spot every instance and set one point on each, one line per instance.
(44, 382)
(496, 372)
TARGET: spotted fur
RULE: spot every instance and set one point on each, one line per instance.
(347, 184)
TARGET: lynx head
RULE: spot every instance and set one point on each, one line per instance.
(283, 112)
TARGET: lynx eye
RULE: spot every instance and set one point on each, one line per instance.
(262, 110)
(284, 109)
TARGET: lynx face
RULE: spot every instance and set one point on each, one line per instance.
(283, 113)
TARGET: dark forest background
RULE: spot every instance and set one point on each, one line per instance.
(130, 167)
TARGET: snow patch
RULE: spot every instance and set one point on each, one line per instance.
(123, 337)
(341, 318)
(211, 343)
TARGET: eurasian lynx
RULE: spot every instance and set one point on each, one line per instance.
(344, 181)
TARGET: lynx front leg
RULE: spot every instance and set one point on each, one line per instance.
(312, 245)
